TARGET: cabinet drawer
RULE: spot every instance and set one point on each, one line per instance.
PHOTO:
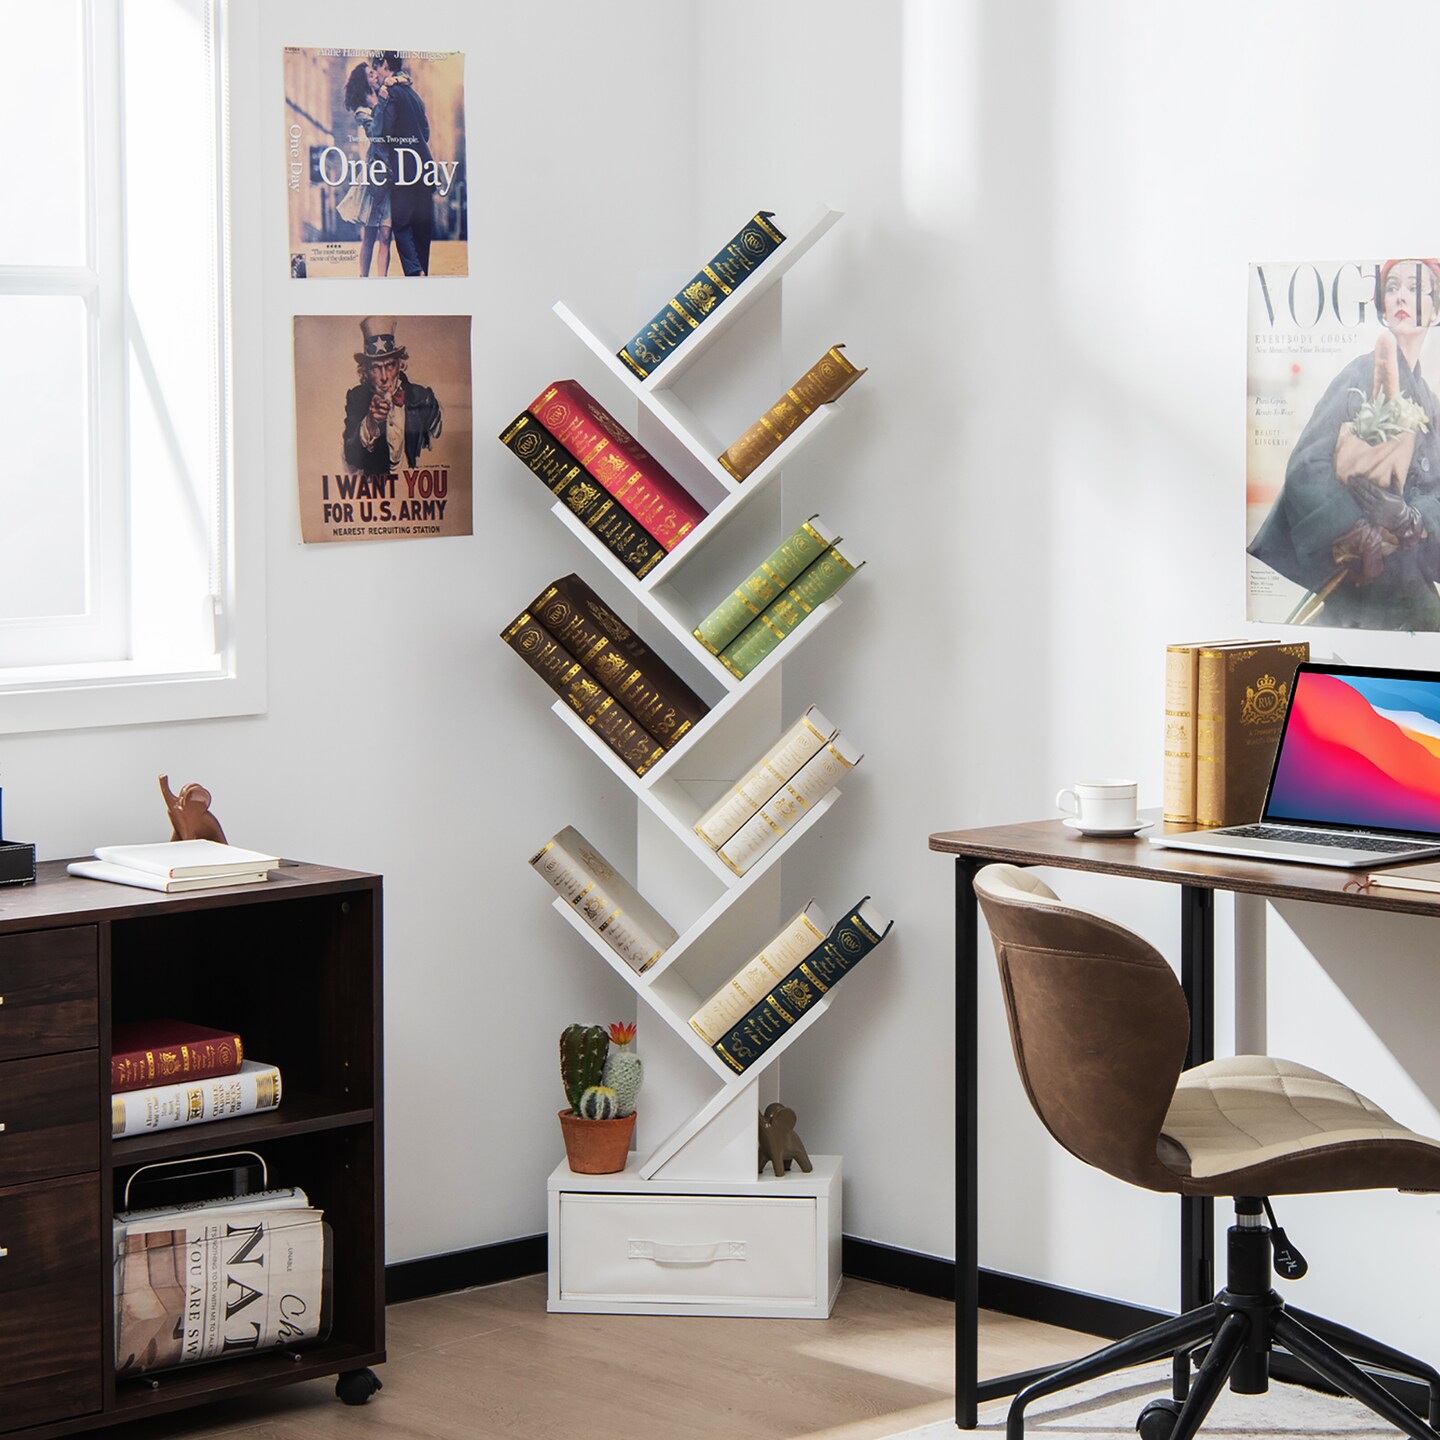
(50, 1114)
(50, 1329)
(48, 990)
(693, 1249)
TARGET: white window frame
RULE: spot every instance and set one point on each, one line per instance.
(92, 693)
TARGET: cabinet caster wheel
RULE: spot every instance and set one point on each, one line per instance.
(355, 1387)
(1157, 1419)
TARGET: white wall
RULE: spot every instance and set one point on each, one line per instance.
(1049, 212)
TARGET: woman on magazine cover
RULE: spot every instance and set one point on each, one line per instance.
(1358, 523)
(366, 205)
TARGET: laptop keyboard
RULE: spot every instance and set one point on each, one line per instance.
(1373, 843)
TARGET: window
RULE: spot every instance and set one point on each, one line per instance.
(119, 568)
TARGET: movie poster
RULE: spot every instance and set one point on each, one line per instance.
(1343, 445)
(383, 426)
(375, 162)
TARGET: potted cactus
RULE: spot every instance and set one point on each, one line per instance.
(601, 1074)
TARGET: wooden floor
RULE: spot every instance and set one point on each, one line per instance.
(491, 1362)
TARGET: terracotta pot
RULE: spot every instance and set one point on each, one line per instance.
(596, 1147)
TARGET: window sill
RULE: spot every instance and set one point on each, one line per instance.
(78, 697)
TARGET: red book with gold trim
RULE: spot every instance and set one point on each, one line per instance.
(163, 1052)
(618, 461)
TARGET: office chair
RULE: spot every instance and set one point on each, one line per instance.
(1100, 1026)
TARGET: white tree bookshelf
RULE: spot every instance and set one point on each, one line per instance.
(690, 1226)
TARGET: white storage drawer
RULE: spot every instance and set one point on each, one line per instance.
(692, 1249)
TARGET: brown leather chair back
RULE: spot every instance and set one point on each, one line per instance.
(1098, 1023)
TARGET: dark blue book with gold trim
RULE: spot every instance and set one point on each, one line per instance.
(848, 943)
(683, 313)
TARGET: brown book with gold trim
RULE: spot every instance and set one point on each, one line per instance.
(564, 674)
(1241, 692)
(1182, 671)
(825, 381)
(642, 682)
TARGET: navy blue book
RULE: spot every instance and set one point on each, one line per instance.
(850, 940)
(697, 301)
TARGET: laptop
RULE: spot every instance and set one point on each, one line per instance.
(1356, 779)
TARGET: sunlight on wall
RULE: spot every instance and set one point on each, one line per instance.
(939, 141)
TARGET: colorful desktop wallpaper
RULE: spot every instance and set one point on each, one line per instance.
(1363, 751)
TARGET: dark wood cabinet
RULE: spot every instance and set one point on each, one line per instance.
(294, 965)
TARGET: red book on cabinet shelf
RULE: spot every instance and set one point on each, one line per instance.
(160, 1052)
(618, 461)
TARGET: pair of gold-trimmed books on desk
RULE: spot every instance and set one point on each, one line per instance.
(1224, 707)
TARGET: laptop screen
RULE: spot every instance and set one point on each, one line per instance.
(1361, 750)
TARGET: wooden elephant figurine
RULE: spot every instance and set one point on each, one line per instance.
(190, 817)
(779, 1144)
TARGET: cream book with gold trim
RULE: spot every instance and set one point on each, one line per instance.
(798, 744)
(607, 902)
(730, 1004)
(815, 778)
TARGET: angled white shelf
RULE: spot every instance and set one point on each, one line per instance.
(712, 1152)
(732, 1092)
(660, 800)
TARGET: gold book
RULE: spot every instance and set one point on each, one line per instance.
(825, 381)
(1241, 692)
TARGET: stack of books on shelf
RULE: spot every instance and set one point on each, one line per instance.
(697, 301)
(602, 897)
(804, 571)
(1224, 703)
(215, 1279)
(176, 865)
(822, 384)
(612, 485)
(585, 653)
(775, 988)
(167, 1073)
(802, 766)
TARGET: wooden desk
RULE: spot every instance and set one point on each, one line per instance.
(1049, 842)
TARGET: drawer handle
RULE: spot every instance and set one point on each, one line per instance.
(663, 1254)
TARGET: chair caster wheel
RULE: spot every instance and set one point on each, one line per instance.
(355, 1387)
(1157, 1419)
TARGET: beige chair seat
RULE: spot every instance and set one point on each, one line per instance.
(1231, 1114)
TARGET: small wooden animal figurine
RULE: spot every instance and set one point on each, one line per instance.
(190, 817)
(779, 1144)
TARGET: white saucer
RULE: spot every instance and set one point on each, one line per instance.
(1108, 834)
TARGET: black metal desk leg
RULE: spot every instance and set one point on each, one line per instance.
(967, 1259)
(1197, 976)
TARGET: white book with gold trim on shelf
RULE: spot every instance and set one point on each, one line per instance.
(604, 898)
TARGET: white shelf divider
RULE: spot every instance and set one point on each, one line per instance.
(736, 1083)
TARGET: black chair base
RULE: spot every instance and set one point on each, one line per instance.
(1237, 1331)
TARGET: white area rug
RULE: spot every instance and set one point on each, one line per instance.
(1107, 1409)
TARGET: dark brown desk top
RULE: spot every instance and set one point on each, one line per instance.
(60, 899)
(1050, 842)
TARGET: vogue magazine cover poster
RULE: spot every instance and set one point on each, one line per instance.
(383, 426)
(1343, 444)
(375, 162)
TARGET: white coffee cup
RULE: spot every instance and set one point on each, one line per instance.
(1100, 804)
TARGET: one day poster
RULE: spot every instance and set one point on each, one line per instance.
(374, 162)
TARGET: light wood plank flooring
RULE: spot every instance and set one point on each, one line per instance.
(491, 1362)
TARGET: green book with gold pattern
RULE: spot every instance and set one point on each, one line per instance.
(766, 582)
(815, 584)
